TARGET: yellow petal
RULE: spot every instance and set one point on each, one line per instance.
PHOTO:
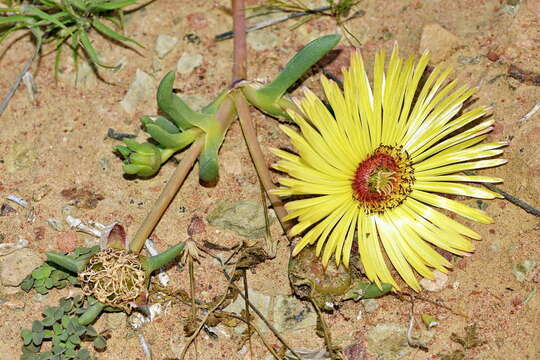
(452, 205)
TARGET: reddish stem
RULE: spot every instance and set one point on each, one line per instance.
(240, 48)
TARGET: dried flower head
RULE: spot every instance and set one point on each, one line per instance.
(114, 277)
(372, 165)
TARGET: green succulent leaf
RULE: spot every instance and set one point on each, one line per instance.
(47, 334)
(363, 290)
(28, 283)
(27, 336)
(155, 262)
(74, 339)
(179, 112)
(110, 5)
(58, 329)
(42, 272)
(165, 124)
(67, 262)
(176, 141)
(269, 99)
(100, 343)
(107, 31)
(90, 315)
(37, 326)
(48, 321)
(37, 338)
(90, 331)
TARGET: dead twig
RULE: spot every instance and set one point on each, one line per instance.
(529, 115)
(257, 157)
(257, 330)
(270, 22)
(457, 313)
(326, 332)
(412, 341)
(259, 314)
(201, 324)
(246, 298)
(18, 79)
(514, 200)
(166, 196)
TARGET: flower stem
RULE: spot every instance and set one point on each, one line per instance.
(167, 195)
(258, 158)
(240, 49)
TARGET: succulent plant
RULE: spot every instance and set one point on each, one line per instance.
(66, 327)
(49, 275)
(115, 277)
(179, 126)
(112, 279)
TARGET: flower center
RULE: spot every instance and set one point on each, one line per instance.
(383, 180)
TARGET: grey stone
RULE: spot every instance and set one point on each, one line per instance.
(467, 60)
(56, 224)
(188, 62)
(164, 45)
(116, 319)
(370, 305)
(388, 341)
(69, 210)
(437, 284)
(244, 217)
(521, 271)
(260, 301)
(20, 156)
(85, 76)
(293, 314)
(439, 41)
(262, 40)
(16, 266)
(142, 89)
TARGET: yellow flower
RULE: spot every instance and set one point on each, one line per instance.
(374, 163)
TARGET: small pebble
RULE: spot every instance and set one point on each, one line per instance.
(188, 62)
(5, 209)
(56, 224)
(492, 56)
(41, 192)
(437, 284)
(164, 45)
(67, 241)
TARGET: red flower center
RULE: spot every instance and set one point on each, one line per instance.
(383, 180)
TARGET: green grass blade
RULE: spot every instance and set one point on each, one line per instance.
(14, 19)
(111, 5)
(43, 15)
(107, 31)
(89, 49)
(79, 5)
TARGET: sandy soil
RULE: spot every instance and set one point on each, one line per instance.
(64, 130)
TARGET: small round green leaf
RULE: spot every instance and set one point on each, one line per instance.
(37, 326)
(37, 338)
(27, 336)
(100, 343)
(74, 339)
(42, 272)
